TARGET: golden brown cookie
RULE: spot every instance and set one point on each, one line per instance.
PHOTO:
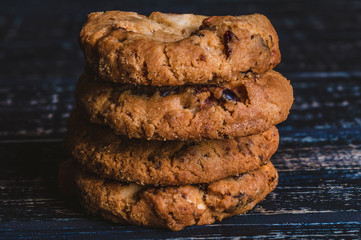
(97, 149)
(245, 107)
(170, 207)
(177, 49)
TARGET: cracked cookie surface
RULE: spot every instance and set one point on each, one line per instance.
(97, 149)
(172, 207)
(245, 107)
(177, 49)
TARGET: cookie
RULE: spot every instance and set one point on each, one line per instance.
(172, 207)
(177, 49)
(97, 149)
(245, 107)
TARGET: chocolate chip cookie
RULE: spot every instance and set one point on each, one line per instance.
(97, 149)
(177, 49)
(248, 106)
(172, 207)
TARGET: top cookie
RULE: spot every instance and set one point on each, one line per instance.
(176, 49)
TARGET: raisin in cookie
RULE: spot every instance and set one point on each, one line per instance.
(172, 207)
(176, 49)
(241, 108)
(97, 149)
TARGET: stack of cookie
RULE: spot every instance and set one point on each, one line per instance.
(175, 119)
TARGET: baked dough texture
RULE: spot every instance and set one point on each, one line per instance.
(172, 207)
(97, 149)
(177, 49)
(175, 118)
(192, 112)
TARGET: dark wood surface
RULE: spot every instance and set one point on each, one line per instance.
(319, 158)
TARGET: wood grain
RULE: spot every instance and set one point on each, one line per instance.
(319, 189)
(41, 42)
(40, 109)
(319, 158)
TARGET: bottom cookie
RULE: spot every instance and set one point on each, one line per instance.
(173, 207)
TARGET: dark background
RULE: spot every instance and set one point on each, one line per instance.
(40, 58)
(319, 157)
(39, 38)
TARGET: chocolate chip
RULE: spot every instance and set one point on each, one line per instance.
(228, 95)
(261, 157)
(207, 22)
(209, 102)
(202, 57)
(228, 38)
(242, 93)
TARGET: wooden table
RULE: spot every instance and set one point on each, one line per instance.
(319, 158)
